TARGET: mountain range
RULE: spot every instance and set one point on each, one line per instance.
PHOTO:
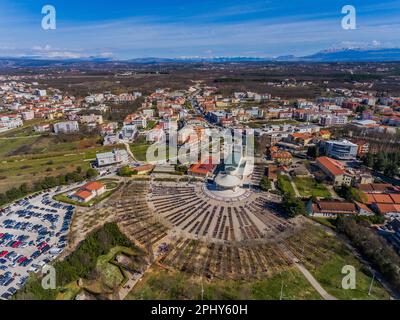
(336, 55)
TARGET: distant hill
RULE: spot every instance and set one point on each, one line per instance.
(355, 55)
(338, 55)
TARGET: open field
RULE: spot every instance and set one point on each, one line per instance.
(309, 187)
(17, 170)
(160, 284)
(139, 150)
(285, 186)
(324, 255)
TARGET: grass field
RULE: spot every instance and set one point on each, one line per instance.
(160, 284)
(285, 186)
(48, 159)
(309, 187)
(324, 255)
(139, 150)
(140, 147)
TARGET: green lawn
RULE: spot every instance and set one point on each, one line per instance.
(330, 277)
(139, 150)
(309, 187)
(325, 256)
(151, 124)
(285, 185)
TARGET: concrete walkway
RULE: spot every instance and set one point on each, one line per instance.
(310, 278)
(296, 191)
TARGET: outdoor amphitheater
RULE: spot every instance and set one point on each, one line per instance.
(196, 228)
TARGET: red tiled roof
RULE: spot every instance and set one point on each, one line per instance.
(93, 186)
(145, 167)
(395, 197)
(83, 194)
(387, 207)
(369, 198)
(331, 165)
(363, 207)
(383, 198)
(335, 207)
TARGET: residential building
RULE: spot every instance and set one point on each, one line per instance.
(42, 128)
(156, 134)
(91, 118)
(334, 170)
(129, 132)
(66, 127)
(333, 120)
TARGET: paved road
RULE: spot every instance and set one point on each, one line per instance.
(310, 278)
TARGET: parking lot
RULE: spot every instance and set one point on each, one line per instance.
(33, 232)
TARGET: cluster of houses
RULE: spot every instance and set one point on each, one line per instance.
(22, 101)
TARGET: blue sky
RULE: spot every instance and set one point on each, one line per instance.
(203, 28)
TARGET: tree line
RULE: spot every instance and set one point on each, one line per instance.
(386, 162)
(373, 247)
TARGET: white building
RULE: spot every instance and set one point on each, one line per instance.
(129, 132)
(113, 157)
(332, 120)
(66, 127)
(28, 115)
(343, 150)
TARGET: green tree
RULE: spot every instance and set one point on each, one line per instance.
(91, 173)
(265, 184)
(125, 171)
(293, 206)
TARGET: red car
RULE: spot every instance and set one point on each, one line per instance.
(16, 244)
(42, 245)
(3, 253)
(22, 259)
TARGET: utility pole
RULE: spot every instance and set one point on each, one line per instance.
(281, 296)
(372, 281)
(202, 289)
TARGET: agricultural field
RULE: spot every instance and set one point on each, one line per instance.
(309, 187)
